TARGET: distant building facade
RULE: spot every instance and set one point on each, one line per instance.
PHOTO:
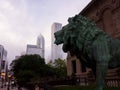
(36, 49)
(56, 50)
(3, 62)
(41, 44)
(106, 14)
(33, 49)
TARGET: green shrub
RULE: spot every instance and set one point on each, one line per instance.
(82, 88)
(71, 88)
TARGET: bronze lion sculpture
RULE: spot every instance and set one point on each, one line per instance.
(92, 46)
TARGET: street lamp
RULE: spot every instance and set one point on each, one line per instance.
(9, 76)
(1, 82)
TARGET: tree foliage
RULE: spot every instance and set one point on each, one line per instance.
(29, 68)
(59, 67)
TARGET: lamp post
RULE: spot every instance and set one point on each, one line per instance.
(1, 82)
(9, 76)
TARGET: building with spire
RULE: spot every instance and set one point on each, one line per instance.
(41, 44)
(38, 48)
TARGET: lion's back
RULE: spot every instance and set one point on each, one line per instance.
(114, 46)
(115, 53)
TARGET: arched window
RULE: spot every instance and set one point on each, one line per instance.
(108, 21)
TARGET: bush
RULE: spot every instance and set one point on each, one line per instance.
(82, 88)
(72, 88)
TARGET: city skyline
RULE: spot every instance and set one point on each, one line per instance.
(21, 21)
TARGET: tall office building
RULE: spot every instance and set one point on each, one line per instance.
(3, 62)
(56, 50)
(41, 44)
(37, 49)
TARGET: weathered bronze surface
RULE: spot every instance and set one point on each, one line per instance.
(92, 46)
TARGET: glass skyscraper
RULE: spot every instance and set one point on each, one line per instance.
(41, 44)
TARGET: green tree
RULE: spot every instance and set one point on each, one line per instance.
(28, 69)
(59, 66)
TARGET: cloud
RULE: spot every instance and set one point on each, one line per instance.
(21, 21)
(6, 5)
(15, 27)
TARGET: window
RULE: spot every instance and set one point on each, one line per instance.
(74, 66)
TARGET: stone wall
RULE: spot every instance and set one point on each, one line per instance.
(106, 14)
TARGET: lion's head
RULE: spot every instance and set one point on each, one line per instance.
(59, 37)
(78, 32)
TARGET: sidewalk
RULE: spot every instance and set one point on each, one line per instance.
(5, 88)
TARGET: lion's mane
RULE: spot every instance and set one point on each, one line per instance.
(80, 32)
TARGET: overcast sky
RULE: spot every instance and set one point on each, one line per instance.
(21, 21)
